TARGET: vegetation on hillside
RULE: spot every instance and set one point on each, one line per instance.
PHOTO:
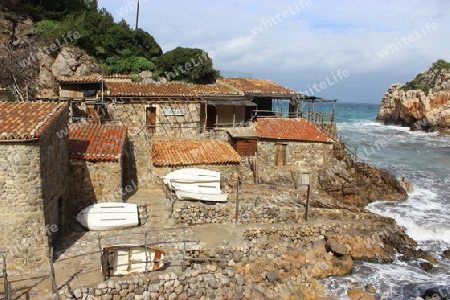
(187, 64)
(427, 80)
(119, 48)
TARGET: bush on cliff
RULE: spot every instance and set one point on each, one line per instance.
(427, 80)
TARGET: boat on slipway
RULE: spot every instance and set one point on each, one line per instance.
(120, 260)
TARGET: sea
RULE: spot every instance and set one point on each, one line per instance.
(424, 160)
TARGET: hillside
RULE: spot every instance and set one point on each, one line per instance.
(421, 104)
(39, 42)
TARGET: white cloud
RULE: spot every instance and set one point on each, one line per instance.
(318, 39)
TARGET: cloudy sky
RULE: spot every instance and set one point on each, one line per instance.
(350, 50)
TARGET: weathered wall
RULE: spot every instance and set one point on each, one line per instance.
(54, 163)
(301, 157)
(33, 180)
(94, 182)
(21, 218)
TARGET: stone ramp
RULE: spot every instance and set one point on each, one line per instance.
(158, 207)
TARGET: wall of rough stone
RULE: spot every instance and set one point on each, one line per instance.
(33, 180)
(94, 182)
(21, 218)
(301, 157)
(54, 164)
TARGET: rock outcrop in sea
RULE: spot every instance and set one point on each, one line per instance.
(421, 104)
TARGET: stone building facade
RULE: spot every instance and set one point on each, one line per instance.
(98, 160)
(289, 147)
(34, 174)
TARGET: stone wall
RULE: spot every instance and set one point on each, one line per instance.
(21, 219)
(301, 157)
(94, 182)
(33, 180)
(54, 163)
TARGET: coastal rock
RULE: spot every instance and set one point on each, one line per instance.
(446, 253)
(425, 109)
(336, 247)
(359, 294)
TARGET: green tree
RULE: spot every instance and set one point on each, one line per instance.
(187, 64)
(126, 63)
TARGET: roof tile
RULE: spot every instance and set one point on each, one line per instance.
(289, 129)
(193, 152)
(96, 142)
(94, 78)
(213, 90)
(138, 89)
(257, 87)
(26, 120)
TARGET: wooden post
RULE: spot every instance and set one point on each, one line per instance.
(307, 203)
(52, 273)
(237, 201)
(7, 287)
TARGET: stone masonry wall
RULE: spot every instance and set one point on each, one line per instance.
(94, 182)
(301, 157)
(21, 218)
(54, 163)
(33, 180)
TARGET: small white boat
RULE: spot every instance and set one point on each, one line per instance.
(131, 259)
(197, 195)
(192, 175)
(108, 216)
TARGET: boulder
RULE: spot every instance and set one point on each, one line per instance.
(337, 248)
(359, 294)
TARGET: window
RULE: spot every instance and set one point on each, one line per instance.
(151, 119)
(280, 155)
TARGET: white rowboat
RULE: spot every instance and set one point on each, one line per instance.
(109, 215)
(209, 197)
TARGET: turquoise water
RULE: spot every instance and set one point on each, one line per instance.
(424, 159)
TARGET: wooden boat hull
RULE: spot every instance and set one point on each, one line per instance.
(123, 260)
(109, 215)
(188, 195)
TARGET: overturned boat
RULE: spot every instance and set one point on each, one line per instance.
(109, 215)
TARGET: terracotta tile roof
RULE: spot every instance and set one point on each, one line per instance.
(214, 90)
(289, 129)
(118, 76)
(257, 87)
(26, 120)
(138, 89)
(80, 79)
(96, 142)
(193, 152)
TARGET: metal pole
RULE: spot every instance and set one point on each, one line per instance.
(307, 203)
(52, 273)
(8, 295)
(237, 201)
(183, 267)
(146, 253)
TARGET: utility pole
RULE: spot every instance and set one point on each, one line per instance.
(137, 15)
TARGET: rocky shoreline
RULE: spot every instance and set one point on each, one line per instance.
(422, 104)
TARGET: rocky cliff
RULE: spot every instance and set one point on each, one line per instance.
(18, 37)
(421, 104)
